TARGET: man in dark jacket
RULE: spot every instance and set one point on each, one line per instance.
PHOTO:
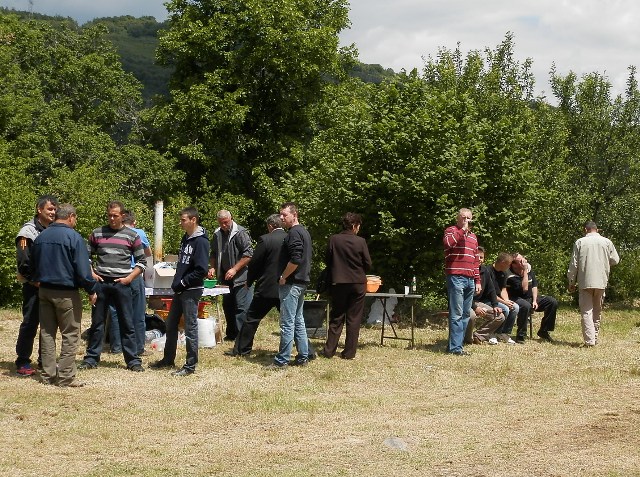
(486, 316)
(231, 251)
(263, 271)
(188, 286)
(45, 214)
(61, 266)
(294, 267)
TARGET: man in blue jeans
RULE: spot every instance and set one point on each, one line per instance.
(463, 277)
(113, 245)
(188, 286)
(137, 295)
(295, 266)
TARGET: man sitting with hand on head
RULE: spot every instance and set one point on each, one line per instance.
(522, 286)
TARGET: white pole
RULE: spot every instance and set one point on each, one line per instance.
(158, 253)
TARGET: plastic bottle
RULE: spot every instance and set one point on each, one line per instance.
(151, 335)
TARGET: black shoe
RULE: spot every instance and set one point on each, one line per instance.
(312, 356)
(87, 365)
(162, 364)
(182, 372)
(231, 352)
(520, 339)
(137, 368)
(545, 336)
(300, 362)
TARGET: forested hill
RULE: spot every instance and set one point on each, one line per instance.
(136, 40)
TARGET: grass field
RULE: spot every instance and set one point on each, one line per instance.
(537, 409)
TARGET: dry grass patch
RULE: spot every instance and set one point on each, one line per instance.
(539, 409)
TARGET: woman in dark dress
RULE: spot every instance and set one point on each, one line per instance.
(348, 261)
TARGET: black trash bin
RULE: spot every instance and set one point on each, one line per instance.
(315, 313)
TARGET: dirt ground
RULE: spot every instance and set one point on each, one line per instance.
(539, 409)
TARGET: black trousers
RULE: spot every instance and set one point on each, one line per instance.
(29, 326)
(347, 306)
(546, 304)
(258, 309)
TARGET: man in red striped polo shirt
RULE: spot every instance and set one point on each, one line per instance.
(463, 277)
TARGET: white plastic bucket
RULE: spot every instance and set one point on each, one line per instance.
(206, 332)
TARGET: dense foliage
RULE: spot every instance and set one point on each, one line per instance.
(259, 108)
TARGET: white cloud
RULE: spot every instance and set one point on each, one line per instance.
(581, 35)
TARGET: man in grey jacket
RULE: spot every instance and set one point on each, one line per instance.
(231, 250)
(590, 264)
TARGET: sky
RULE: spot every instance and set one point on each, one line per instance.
(582, 36)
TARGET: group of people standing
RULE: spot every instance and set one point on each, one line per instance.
(278, 271)
(54, 262)
(485, 302)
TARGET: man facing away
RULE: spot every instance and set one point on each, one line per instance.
(61, 266)
(263, 271)
(294, 277)
(463, 277)
(231, 251)
(45, 214)
(114, 245)
(191, 269)
(591, 260)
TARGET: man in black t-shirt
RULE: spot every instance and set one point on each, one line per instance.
(522, 287)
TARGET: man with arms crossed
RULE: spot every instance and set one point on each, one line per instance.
(592, 258)
(294, 267)
(61, 266)
(463, 277)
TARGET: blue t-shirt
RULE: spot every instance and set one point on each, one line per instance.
(143, 238)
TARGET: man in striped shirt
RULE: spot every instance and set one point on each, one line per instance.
(463, 277)
(114, 245)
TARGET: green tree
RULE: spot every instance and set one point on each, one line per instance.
(246, 73)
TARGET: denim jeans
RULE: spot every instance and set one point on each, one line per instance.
(292, 327)
(184, 303)
(510, 318)
(460, 290)
(120, 296)
(139, 303)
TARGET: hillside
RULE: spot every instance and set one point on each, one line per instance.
(136, 40)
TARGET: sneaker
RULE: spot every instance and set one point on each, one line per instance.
(300, 362)
(87, 365)
(26, 370)
(136, 368)
(545, 336)
(493, 341)
(275, 366)
(161, 364)
(510, 341)
(461, 353)
(182, 372)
